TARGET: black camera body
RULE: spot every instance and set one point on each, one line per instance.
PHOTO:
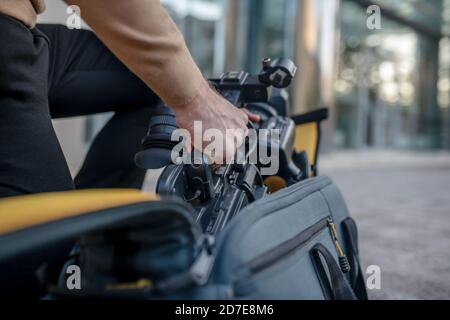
(219, 193)
(216, 195)
(240, 88)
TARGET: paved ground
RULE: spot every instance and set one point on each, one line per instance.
(403, 213)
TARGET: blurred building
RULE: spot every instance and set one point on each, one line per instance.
(392, 85)
(387, 88)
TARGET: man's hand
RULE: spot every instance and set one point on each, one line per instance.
(215, 112)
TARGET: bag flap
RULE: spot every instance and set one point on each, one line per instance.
(37, 223)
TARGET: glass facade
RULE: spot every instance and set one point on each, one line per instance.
(231, 33)
(387, 81)
(387, 88)
(202, 24)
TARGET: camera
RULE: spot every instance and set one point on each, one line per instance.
(219, 193)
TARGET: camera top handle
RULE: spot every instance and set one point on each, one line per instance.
(240, 87)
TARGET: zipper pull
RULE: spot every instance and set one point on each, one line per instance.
(343, 261)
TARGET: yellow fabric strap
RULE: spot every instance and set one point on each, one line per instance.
(25, 211)
(306, 139)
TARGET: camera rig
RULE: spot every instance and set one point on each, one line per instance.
(219, 193)
(241, 88)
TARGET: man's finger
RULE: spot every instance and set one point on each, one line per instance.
(252, 116)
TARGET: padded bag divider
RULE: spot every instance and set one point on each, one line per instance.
(152, 247)
(126, 243)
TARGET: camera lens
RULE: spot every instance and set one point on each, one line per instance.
(157, 144)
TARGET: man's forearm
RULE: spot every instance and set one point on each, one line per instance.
(144, 37)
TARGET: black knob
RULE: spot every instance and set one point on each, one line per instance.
(157, 144)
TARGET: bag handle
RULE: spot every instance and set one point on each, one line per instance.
(340, 288)
(357, 279)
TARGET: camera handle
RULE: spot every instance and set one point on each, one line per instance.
(239, 87)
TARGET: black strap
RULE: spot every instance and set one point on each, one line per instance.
(340, 288)
(317, 115)
(351, 238)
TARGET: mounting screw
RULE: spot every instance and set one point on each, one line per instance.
(266, 63)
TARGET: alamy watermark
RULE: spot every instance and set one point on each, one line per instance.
(215, 147)
(373, 281)
(74, 19)
(373, 22)
(73, 281)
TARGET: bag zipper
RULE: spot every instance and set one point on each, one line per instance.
(343, 261)
(287, 247)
